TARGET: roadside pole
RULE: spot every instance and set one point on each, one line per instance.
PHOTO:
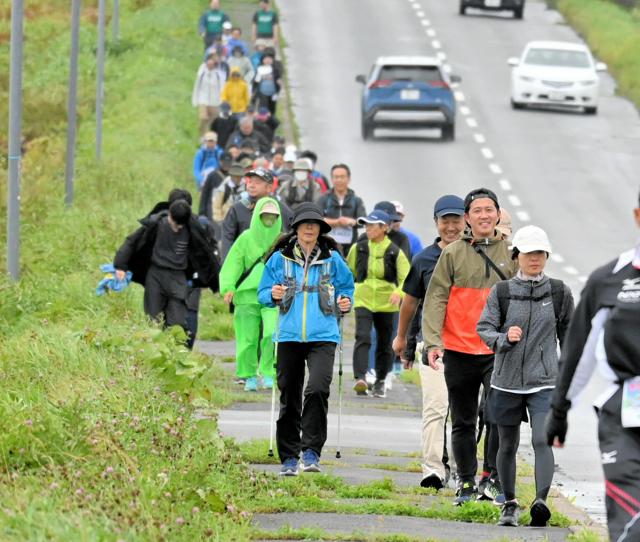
(115, 21)
(72, 102)
(100, 76)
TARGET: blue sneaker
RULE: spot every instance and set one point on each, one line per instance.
(493, 492)
(251, 384)
(289, 467)
(466, 493)
(267, 382)
(310, 461)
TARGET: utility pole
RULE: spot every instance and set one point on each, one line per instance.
(115, 21)
(100, 76)
(72, 102)
(15, 151)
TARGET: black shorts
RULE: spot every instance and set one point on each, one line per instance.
(505, 408)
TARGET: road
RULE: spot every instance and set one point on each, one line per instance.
(574, 175)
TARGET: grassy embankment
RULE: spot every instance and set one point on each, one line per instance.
(614, 36)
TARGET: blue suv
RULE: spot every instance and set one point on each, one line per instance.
(408, 92)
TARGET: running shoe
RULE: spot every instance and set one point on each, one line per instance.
(370, 377)
(310, 461)
(465, 493)
(540, 513)
(251, 384)
(509, 514)
(361, 387)
(432, 481)
(482, 485)
(379, 389)
(493, 492)
(240, 381)
(388, 381)
(267, 382)
(289, 467)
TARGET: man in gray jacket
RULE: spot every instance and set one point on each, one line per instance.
(522, 322)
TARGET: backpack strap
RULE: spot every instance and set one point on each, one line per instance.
(391, 263)
(362, 259)
(557, 296)
(502, 289)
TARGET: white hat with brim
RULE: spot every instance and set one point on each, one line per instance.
(531, 239)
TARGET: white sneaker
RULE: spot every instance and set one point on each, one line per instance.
(370, 377)
(388, 381)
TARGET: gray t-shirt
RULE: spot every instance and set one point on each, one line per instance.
(170, 248)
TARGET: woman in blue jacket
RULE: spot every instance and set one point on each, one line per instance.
(312, 285)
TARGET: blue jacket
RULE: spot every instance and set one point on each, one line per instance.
(415, 244)
(204, 160)
(234, 42)
(305, 321)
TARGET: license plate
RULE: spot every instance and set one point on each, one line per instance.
(410, 94)
(492, 3)
(556, 95)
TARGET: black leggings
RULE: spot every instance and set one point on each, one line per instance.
(509, 441)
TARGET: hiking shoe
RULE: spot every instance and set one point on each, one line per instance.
(251, 384)
(540, 513)
(310, 461)
(432, 481)
(289, 467)
(465, 493)
(493, 492)
(267, 382)
(378, 389)
(361, 387)
(509, 514)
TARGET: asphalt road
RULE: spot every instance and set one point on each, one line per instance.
(574, 175)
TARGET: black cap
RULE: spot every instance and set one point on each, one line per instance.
(480, 193)
(390, 209)
(225, 158)
(309, 212)
(264, 174)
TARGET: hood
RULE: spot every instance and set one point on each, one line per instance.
(262, 237)
(497, 237)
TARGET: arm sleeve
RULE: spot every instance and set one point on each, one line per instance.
(197, 159)
(124, 253)
(271, 275)
(232, 268)
(489, 324)
(403, 271)
(229, 230)
(436, 299)
(351, 259)
(565, 315)
(342, 278)
(202, 23)
(360, 208)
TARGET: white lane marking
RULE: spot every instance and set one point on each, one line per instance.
(415, 5)
(582, 279)
(447, 69)
(523, 216)
(495, 168)
(420, 14)
(514, 200)
(425, 22)
(431, 32)
(505, 185)
(487, 153)
(570, 270)
(464, 110)
(471, 122)
(480, 139)
(441, 55)
(459, 96)
(436, 44)
(556, 258)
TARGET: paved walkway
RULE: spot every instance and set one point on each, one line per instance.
(380, 440)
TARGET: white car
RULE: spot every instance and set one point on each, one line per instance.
(556, 73)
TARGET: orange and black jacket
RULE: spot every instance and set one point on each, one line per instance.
(458, 291)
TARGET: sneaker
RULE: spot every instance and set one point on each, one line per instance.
(310, 461)
(361, 387)
(447, 474)
(540, 513)
(493, 492)
(267, 382)
(509, 514)
(251, 384)
(465, 493)
(240, 381)
(370, 377)
(378, 389)
(482, 485)
(388, 381)
(432, 481)
(289, 467)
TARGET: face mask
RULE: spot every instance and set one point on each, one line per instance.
(268, 219)
(300, 175)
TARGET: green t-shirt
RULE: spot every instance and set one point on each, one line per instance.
(214, 18)
(264, 21)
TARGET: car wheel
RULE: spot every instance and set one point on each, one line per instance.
(518, 12)
(448, 132)
(591, 110)
(516, 105)
(463, 8)
(367, 130)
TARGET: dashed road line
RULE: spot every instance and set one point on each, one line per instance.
(431, 32)
(480, 139)
(425, 22)
(505, 185)
(582, 279)
(420, 14)
(514, 200)
(464, 110)
(495, 168)
(459, 96)
(441, 55)
(570, 270)
(523, 216)
(471, 122)
(556, 257)
(487, 153)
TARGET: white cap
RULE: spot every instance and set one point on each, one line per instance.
(531, 239)
(290, 155)
(399, 207)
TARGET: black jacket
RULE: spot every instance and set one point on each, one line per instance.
(213, 180)
(203, 262)
(352, 207)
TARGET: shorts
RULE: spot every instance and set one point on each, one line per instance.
(505, 408)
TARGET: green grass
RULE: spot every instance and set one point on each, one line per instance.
(411, 376)
(613, 33)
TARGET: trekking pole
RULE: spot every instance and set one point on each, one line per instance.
(340, 357)
(274, 386)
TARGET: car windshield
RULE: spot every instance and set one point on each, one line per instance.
(557, 57)
(425, 74)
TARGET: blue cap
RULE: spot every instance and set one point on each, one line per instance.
(448, 205)
(377, 216)
(388, 208)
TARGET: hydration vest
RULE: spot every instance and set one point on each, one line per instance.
(390, 261)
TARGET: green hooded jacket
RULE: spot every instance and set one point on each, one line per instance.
(251, 245)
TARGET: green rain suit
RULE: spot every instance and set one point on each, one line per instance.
(254, 324)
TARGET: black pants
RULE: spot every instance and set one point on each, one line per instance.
(383, 322)
(464, 374)
(308, 417)
(620, 453)
(165, 294)
(193, 307)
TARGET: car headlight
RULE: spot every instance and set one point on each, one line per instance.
(527, 78)
(588, 82)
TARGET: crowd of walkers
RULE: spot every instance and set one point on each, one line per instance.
(291, 251)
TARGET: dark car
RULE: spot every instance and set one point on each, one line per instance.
(517, 6)
(408, 92)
